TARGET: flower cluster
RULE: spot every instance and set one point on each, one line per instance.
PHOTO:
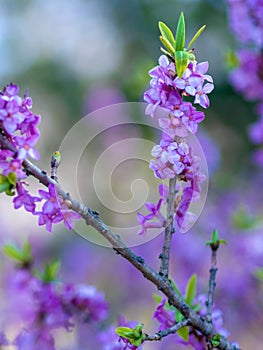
(246, 21)
(165, 315)
(45, 306)
(19, 126)
(174, 157)
(53, 210)
(167, 90)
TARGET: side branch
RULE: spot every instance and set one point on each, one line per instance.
(169, 230)
(212, 285)
(161, 334)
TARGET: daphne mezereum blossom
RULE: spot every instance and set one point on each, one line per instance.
(54, 210)
(19, 125)
(246, 21)
(42, 307)
(173, 156)
(165, 315)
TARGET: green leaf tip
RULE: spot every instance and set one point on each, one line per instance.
(134, 335)
(191, 290)
(22, 255)
(166, 33)
(195, 37)
(180, 34)
(167, 44)
(7, 183)
(216, 340)
(184, 333)
(258, 273)
(215, 241)
(50, 272)
(231, 59)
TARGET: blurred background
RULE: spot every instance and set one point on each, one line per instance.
(76, 57)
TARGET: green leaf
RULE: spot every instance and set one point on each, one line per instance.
(214, 236)
(167, 44)
(22, 255)
(167, 53)
(222, 241)
(180, 34)
(178, 316)
(12, 178)
(244, 220)
(13, 252)
(4, 183)
(184, 333)
(181, 62)
(258, 273)
(27, 252)
(196, 307)
(123, 331)
(134, 335)
(191, 290)
(7, 183)
(157, 298)
(196, 36)
(166, 33)
(231, 59)
(50, 272)
(216, 340)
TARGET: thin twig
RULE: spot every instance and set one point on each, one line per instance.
(92, 218)
(161, 334)
(212, 284)
(169, 230)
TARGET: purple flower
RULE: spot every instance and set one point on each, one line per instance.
(165, 317)
(258, 157)
(181, 217)
(188, 82)
(85, 302)
(11, 90)
(69, 216)
(201, 97)
(10, 113)
(246, 78)
(145, 224)
(11, 165)
(3, 339)
(170, 161)
(16, 120)
(23, 198)
(245, 19)
(34, 339)
(173, 126)
(162, 92)
(48, 219)
(154, 213)
(52, 204)
(26, 147)
(110, 340)
(256, 131)
(191, 117)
